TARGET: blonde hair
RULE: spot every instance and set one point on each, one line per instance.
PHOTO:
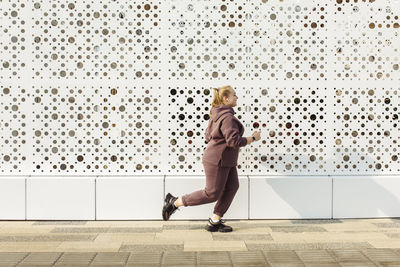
(219, 93)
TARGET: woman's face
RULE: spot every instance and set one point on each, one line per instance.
(231, 100)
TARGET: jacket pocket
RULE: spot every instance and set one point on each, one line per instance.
(229, 157)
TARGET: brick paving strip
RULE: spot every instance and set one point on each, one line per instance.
(355, 242)
(365, 257)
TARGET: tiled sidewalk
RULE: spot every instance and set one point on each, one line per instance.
(356, 242)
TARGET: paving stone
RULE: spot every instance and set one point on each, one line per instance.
(278, 246)
(30, 246)
(340, 245)
(256, 225)
(247, 258)
(106, 230)
(59, 223)
(110, 258)
(145, 258)
(30, 230)
(75, 258)
(297, 229)
(349, 256)
(365, 231)
(7, 265)
(393, 235)
(40, 258)
(331, 236)
(214, 245)
(12, 257)
(151, 248)
(241, 237)
(320, 221)
(286, 264)
(249, 265)
(251, 231)
(106, 264)
(392, 243)
(360, 226)
(142, 265)
(387, 225)
(315, 256)
(125, 237)
(184, 227)
(184, 235)
(88, 246)
(43, 238)
(80, 230)
(134, 229)
(173, 258)
(211, 258)
(321, 264)
(356, 264)
(305, 246)
(245, 223)
(282, 257)
(252, 235)
(382, 256)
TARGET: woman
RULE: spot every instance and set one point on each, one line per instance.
(224, 137)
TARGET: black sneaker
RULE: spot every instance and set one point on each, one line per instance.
(217, 226)
(169, 206)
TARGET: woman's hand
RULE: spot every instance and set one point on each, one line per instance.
(256, 135)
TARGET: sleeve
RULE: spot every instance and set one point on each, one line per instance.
(230, 131)
(208, 137)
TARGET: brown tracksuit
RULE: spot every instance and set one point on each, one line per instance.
(224, 137)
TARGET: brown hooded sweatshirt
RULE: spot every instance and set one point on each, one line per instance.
(224, 137)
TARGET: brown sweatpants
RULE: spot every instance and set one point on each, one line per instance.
(221, 186)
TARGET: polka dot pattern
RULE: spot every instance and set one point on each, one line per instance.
(123, 87)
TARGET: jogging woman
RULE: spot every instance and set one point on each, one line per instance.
(224, 137)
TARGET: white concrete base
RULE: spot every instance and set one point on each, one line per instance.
(366, 197)
(141, 197)
(287, 197)
(12, 198)
(129, 198)
(60, 198)
(180, 185)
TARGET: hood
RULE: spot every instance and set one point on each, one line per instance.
(218, 111)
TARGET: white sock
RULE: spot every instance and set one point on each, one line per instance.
(175, 204)
(214, 220)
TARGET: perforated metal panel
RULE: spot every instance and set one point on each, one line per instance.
(106, 40)
(122, 87)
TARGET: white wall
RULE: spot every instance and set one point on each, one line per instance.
(103, 89)
(141, 198)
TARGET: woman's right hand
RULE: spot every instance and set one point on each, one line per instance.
(256, 135)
